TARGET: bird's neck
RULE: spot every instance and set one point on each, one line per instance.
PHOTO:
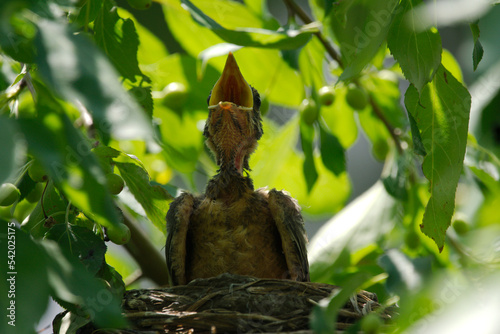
(228, 184)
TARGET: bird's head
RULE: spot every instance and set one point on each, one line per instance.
(234, 124)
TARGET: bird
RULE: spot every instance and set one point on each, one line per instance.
(231, 227)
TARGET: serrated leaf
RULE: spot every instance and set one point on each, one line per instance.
(65, 155)
(118, 39)
(153, 198)
(441, 112)
(81, 243)
(418, 146)
(332, 152)
(76, 69)
(361, 31)
(255, 37)
(418, 52)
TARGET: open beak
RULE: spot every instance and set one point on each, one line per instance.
(231, 87)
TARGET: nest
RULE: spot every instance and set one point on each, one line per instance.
(237, 304)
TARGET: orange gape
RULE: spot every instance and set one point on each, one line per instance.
(232, 228)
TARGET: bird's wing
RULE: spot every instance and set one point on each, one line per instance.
(288, 219)
(178, 217)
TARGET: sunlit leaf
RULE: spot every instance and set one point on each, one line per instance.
(367, 219)
(332, 152)
(418, 52)
(307, 142)
(11, 149)
(255, 37)
(118, 39)
(441, 113)
(76, 69)
(365, 28)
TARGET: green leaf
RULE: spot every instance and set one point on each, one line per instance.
(118, 39)
(395, 176)
(361, 32)
(78, 291)
(324, 315)
(441, 113)
(339, 117)
(65, 154)
(307, 142)
(11, 148)
(153, 198)
(405, 275)
(363, 222)
(332, 152)
(78, 71)
(277, 164)
(255, 37)
(81, 243)
(54, 206)
(418, 146)
(418, 52)
(477, 53)
(27, 280)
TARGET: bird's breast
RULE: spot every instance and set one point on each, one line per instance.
(239, 237)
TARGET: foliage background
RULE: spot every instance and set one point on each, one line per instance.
(74, 73)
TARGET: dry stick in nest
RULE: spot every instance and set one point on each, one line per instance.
(237, 304)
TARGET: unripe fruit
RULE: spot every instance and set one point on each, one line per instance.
(9, 194)
(357, 98)
(461, 227)
(308, 111)
(115, 183)
(371, 323)
(175, 95)
(140, 4)
(326, 95)
(37, 172)
(119, 234)
(35, 195)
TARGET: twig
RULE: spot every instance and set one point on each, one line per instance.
(292, 6)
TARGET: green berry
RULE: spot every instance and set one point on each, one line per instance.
(119, 234)
(140, 4)
(37, 172)
(308, 111)
(115, 183)
(35, 194)
(461, 227)
(357, 98)
(326, 95)
(9, 194)
(175, 95)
